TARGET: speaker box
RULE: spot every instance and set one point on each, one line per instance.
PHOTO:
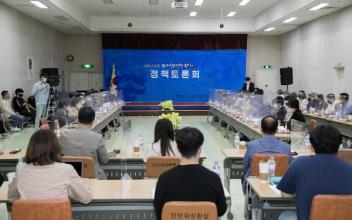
(50, 71)
(286, 76)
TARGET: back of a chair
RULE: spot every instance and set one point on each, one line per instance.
(345, 154)
(41, 210)
(88, 167)
(155, 166)
(312, 124)
(280, 159)
(331, 207)
(189, 210)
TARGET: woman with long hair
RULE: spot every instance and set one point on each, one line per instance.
(164, 141)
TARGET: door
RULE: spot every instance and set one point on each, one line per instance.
(96, 81)
(79, 81)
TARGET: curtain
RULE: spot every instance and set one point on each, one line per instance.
(174, 41)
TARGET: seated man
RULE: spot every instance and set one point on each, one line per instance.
(82, 141)
(268, 144)
(322, 173)
(8, 113)
(189, 181)
(332, 104)
(61, 114)
(281, 110)
(21, 106)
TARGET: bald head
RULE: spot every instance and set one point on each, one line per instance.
(269, 125)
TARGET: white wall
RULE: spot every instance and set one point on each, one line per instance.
(22, 37)
(314, 49)
(84, 49)
(262, 50)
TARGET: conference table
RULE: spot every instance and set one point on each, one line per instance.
(248, 129)
(233, 163)
(343, 125)
(115, 200)
(270, 203)
(126, 162)
(104, 120)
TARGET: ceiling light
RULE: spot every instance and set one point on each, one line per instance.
(289, 20)
(320, 6)
(39, 4)
(243, 2)
(231, 14)
(269, 29)
(193, 13)
(199, 2)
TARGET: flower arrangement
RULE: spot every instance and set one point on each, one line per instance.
(174, 117)
(167, 105)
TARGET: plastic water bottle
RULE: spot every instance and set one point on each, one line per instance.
(307, 141)
(271, 167)
(236, 142)
(141, 142)
(19, 161)
(216, 167)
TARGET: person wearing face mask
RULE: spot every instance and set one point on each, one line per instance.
(332, 103)
(321, 104)
(21, 106)
(8, 113)
(41, 92)
(293, 112)
(281, 110)
(248, 86)
(344, 106)
(302, 98)
(61, 114)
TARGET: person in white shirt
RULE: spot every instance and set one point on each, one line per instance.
(164, 141)
(7, 112)
(302, 98)
(41, 92)
(332, 104)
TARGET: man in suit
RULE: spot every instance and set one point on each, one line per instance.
(268, 144)
(82, 141)
(281, 110)
(248, 86)
(61, 114)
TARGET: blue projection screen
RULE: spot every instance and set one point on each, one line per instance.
(179, 75)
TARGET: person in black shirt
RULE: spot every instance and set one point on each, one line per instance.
(294, 113)
(189, 181)
(21, 106)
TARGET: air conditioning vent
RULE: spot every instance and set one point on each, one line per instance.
(153, 2)
(116, 13)
(108, 2)
(61, 18)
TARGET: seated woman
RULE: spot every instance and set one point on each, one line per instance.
(293, 112)
(43, 176)
(164, 144)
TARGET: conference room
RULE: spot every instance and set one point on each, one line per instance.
(175, 109)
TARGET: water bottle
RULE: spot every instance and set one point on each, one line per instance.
(141, 142)
(307, 141)
(19, 161)
(271, 167)
(236, 142)
(216, 167)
